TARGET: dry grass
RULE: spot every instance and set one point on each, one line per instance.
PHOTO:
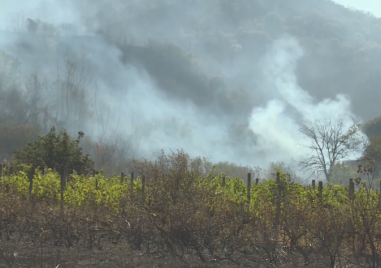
(181, 223)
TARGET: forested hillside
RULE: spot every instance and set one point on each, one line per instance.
(341, 46)
(141, 76)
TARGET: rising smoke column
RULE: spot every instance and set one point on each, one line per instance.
(142, 113)
(276, 124)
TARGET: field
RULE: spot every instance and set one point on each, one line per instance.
(179, 218)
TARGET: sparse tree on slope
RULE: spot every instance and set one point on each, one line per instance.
(329, 142)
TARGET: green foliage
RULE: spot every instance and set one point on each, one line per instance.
(80, 189)
(372, 127)
(109, 191)
(58, 152)
(341, 172)
(373, 151)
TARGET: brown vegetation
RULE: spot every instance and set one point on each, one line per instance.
(180, 220)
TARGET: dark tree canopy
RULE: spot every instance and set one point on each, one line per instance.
(372, 127)
(58, 152)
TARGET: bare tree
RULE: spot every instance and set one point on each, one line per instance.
(18, 23)
(32, 25)
(71, 87)
(330, 142)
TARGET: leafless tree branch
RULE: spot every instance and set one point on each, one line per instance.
(329, 142)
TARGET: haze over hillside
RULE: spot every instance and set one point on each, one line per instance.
(369, 6)
(227, 80)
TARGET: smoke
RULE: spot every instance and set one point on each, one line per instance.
(127, 98)
(14, 13)
(278, 122)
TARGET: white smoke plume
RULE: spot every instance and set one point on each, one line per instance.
(278, 122)
(126, 100)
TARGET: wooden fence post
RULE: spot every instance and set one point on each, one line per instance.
(313, 184)
(320, 189)
(132, 182)
(223, 181)
(248, 186)
(30, 177)
(96, 179)
(143, 187)
(277, 208)
(379, 195)
(1, 171)
(66, 174)
(63, 178)
(351, 189)
(121, 177)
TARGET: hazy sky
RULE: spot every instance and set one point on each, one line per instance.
(12, 9)
(373, 6)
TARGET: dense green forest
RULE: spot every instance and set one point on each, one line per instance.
(136, 60)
